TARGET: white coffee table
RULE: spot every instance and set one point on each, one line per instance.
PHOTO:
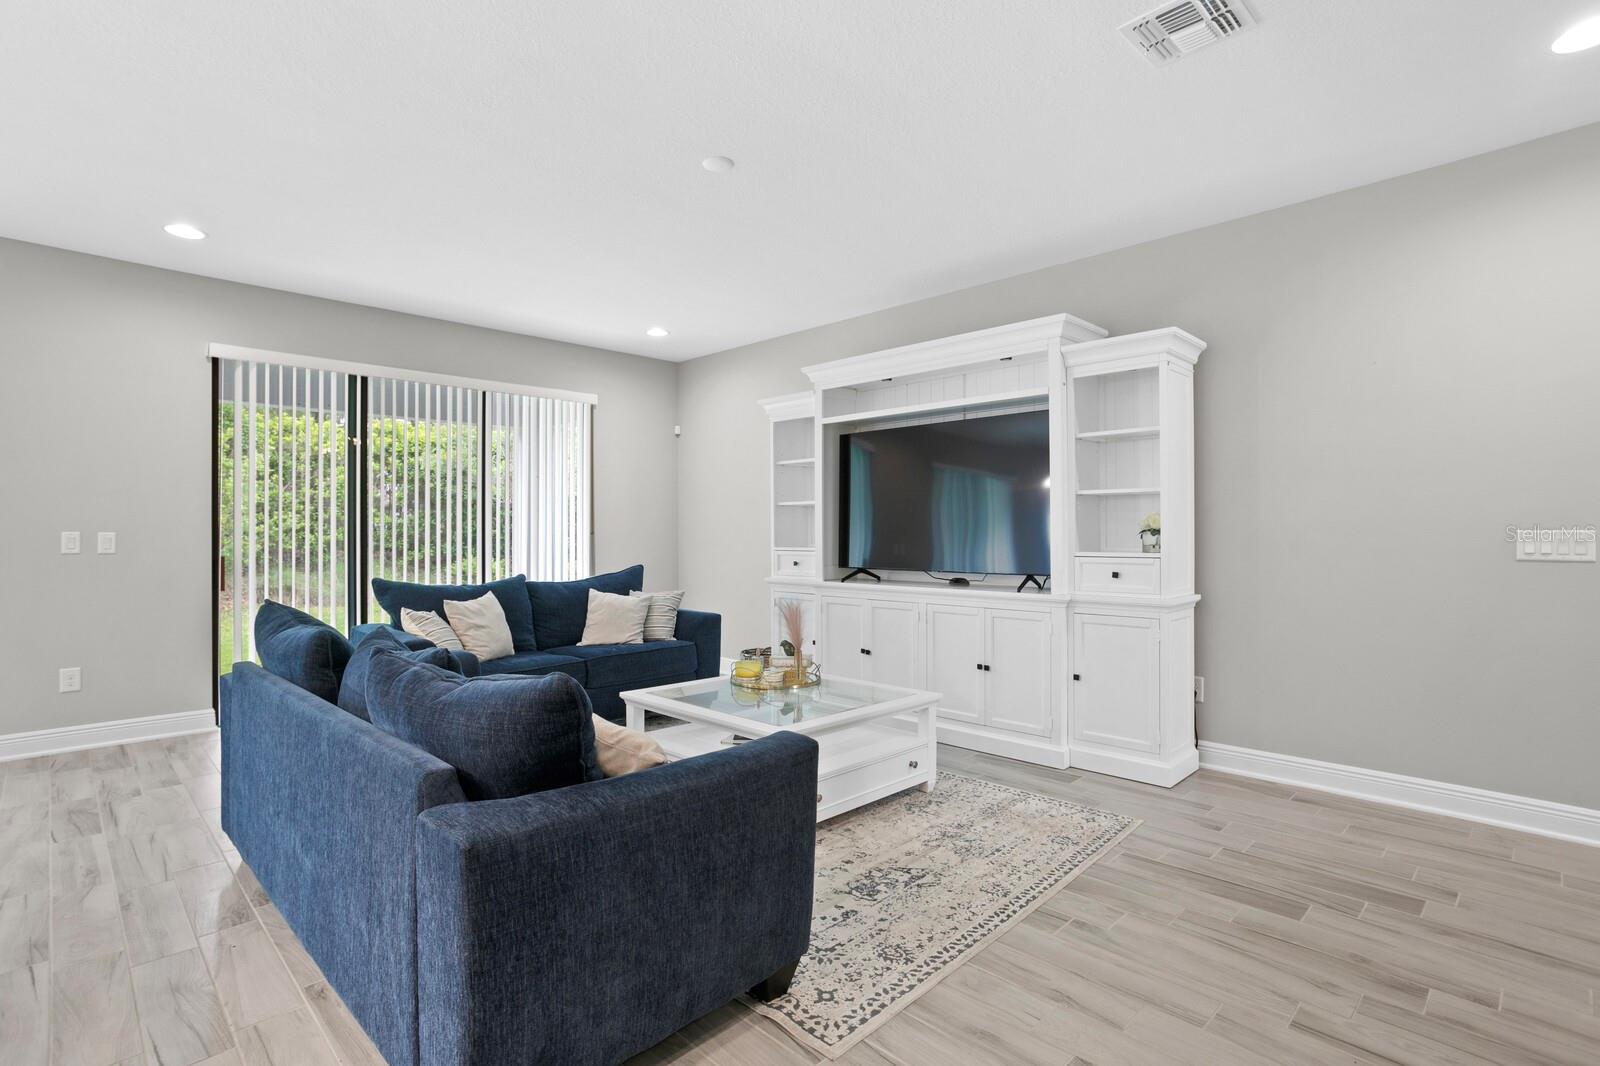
(875, 739)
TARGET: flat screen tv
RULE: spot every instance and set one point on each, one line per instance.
(963, 497)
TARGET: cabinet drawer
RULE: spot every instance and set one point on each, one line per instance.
(797, 563)
(842, 791)
(1118, 575)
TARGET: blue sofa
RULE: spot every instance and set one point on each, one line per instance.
(578, 925)
(546, 620)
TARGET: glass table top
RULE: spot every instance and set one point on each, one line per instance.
(783, 707)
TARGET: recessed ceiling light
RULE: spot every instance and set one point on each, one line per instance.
(655, 331)
(717, 164)
(186, 231)
(1583, 35)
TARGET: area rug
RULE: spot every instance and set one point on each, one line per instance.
(908, 888)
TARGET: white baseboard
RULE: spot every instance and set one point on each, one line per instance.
(1005, 745)
(99, 734)
(1524, 813)
(1135, 767)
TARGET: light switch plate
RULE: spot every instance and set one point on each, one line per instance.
(70, 543)
(107, 543)
(1567, 544)
(71, 679)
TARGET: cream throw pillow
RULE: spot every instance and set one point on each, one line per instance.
(481, 625)
(429, 626)
(621, 750)
(661, 623)
(614, 619)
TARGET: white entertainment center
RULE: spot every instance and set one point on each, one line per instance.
(1095, 670)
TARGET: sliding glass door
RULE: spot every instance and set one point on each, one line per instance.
(424, 483)
(282, 461)
(455, 483)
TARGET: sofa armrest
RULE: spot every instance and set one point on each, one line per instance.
(585, 924)
(323, 806)
(704, 630)
(463, 662)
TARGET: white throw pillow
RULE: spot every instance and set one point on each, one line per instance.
(481, 625)
(661, 623)
(620, 750)
(614, 619)
(429, 626)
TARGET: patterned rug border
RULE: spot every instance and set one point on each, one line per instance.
(836, 1051)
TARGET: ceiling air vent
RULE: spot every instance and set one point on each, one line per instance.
(1172, 32)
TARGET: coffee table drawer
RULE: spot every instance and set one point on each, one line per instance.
(844, 790)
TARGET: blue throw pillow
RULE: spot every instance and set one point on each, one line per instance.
(353, 689)
(512, 592)
(301, 649)
(505, 734)
(561, 607)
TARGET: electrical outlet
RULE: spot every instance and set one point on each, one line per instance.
(1199, 689)
(107, 543)
(70, 543)
(71, 679)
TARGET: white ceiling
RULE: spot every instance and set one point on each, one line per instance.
(536, 166)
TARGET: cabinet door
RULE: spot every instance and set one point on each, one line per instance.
(955, 658)
(1116, 699)
(892, 640)
(1018, 674)
(808, 611)
(844, 635)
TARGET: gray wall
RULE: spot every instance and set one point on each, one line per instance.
(1395, 374)
(106, 426)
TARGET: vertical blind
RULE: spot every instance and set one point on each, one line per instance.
(282, 463)
(455, 484)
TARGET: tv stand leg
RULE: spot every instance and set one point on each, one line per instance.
(1033, 579)
(863, 570)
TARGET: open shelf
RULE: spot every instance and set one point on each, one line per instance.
(968, 403)
(1136, 433)
(1116, 402)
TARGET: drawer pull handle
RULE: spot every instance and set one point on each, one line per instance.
(866, 651)
(980, 666)
(819, 797)
(794, 562)
(1115, 574)
(913, 764)
(1077, 677)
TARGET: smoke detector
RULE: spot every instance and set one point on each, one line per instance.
(1169, 33)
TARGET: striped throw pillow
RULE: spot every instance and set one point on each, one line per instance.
(661, 621)
(430, 626)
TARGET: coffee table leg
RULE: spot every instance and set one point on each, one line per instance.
(635, 716)
(930, 728)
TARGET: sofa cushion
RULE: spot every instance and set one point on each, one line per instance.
(620, 750)
(481, 626)
(430, 627)
(560, 608)
(395, 596)
(657, 662)
(614, 619)
(301, 649)
(353, 686)
(536, 664)
(506, 735)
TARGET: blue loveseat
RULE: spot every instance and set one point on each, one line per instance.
(546, 620)
(577, 925)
